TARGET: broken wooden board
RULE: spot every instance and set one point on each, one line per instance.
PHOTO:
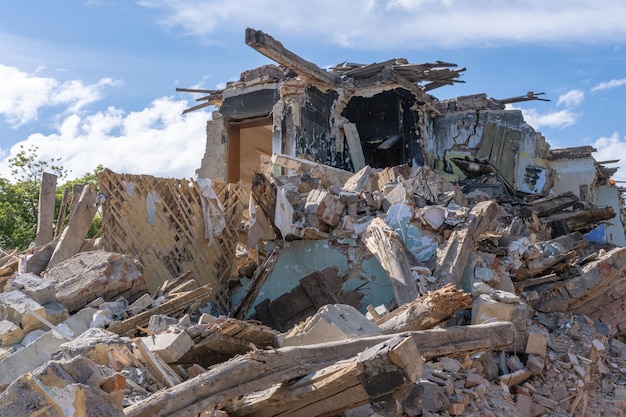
(262, 369)
(427, 311)
(258, 279)
(548, 205)
(580, 220)
(314, 291)
(275, 51)
(77, 227)
(375, 373)
(354, 146)
(462, 243)
(173, 308)
(386, 246)
(544, 255)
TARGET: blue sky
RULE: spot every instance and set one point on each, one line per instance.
(93, 82)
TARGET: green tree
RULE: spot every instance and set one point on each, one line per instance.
(19, 198)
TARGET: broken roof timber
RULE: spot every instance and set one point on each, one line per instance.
(275, 50)
(420, 95)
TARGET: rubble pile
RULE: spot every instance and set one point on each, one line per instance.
(485, 316)
(442, 261)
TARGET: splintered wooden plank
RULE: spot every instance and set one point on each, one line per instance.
(354, 146)
(317, 290)
(263, 369)
(385, 244)
(378, 371)
(72, 237)
(275, 51)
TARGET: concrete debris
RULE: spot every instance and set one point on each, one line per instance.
(361, 249)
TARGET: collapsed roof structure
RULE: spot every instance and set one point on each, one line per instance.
(356, 246)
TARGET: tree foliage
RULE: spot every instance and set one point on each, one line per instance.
(19, 197)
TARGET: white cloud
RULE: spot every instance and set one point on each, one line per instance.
(572, 98)
(157, 140)
(557, 119)
(610, 148)
(24, 95)
(411, 22)
(609, 84)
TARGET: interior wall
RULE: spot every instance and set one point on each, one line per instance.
(247, 142)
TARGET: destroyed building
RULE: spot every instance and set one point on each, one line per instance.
(351, 246)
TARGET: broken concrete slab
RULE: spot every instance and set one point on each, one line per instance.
(37, 288)
(94, 344)
(17, 306)
(332, 322)
(169, 346)
(72, 388)
(89, 275)
(38, 352)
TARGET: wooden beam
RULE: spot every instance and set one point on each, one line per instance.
(426, 312)
(275, 51)
(354, 146)
(262, 369)
(74, 234)
(385, 244)
(378, 371)
(45, 217)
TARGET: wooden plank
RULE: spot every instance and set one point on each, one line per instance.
(74, 234)
(317, 290)
(486, 143)
(426, 312)
(258, 279)
(262, 369)
(157, 366)
(354, 146)
(275, 51)
(128, 327)
(62, 210)
(376, 372)
(45, 216)
(508, 161)
(385, 244)
(462, 243)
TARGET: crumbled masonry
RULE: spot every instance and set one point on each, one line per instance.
(352, 246)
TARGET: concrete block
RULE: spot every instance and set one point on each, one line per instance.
(140, 305)
(486, 309)
(10, 333)
(327, 207)
(86, 276)
(37, 288)
(15, 306)
(55, 312)
(67, 389)
(32, 336)
(537, 343)
(38, 352)
(332, 322)
(94, 344)
(169, 346)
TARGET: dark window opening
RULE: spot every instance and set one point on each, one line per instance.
(388, 128)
